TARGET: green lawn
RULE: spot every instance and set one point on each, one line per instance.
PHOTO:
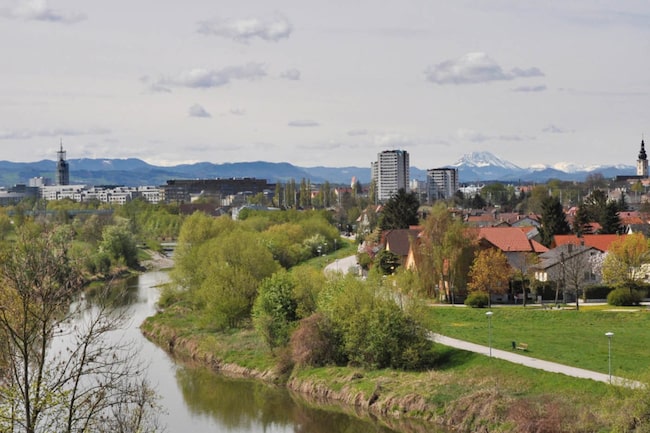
(575, 338)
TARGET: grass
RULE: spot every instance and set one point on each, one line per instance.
(570, 337)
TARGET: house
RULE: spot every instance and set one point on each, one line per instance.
(600, 242)
(570, 266)
(513, 241)
(398, 241)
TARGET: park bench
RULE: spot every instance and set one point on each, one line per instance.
(522, 346)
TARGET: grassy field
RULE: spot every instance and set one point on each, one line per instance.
(570, 337)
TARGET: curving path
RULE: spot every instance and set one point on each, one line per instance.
(528, 361)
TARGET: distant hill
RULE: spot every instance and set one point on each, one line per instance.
(472, 168)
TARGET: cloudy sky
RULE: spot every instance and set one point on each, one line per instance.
(325, 82)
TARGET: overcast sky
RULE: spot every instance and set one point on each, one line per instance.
(325, 82)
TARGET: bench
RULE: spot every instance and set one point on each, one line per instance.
(522, 346)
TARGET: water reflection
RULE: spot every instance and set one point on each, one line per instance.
(198, 400)
(244, 405)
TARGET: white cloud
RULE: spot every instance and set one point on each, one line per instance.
(553, 129)
(55, 132)
(540, 88)
(197, 110)
(475, 68)
(237, 111)
(357, 132)
(270, 29)
(37, 10)
(303, 123)
(291, 74)
(207, 78)
(392, 140)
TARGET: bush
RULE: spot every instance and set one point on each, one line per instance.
(477, 300)
(599, 291)
(624, 297)
(314, 343)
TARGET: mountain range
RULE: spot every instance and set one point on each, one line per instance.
(475, 167)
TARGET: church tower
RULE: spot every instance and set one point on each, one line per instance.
(63, 169)
(642, 162)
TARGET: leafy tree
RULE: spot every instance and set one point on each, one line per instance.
(490, 272)
(442, 252)
(553, 220)
(400, 212)
(610, 221)
(275, 309)
(387, 261)
(372, 329)
(523, 265)
(622, 266)
(118, 242)
(90, 385)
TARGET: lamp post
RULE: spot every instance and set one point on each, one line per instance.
(489, 316)
(609, 353)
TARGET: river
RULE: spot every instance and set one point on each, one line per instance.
(197, 400)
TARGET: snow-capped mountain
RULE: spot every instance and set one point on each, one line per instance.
(484, 159)
(485, 166)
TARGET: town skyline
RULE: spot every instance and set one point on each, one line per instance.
(318, 84)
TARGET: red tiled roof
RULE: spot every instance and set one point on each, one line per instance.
(600, 242)
(511, 239)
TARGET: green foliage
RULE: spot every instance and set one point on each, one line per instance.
(553, 220)
(400, 212)
(119, 244)
(625, 297)
(388, 262)
(274, 311)
(374, 331)
(477, 300)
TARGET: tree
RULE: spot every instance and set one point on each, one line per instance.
(490, 272)
(400, 212)
(576, 267)
(119, 243)
(275, 309)
(523, 264)
(610, 221)
(553, 220)
(622, 266)
(441, 253)
(90, 383)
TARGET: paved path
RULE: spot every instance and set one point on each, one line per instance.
(346, 264)
(342, 265)
(528, 361)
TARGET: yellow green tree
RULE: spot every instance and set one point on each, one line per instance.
(490, 272)
(623, 265)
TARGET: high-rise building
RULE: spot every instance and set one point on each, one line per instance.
(62, 168)
(642, 162)
(390, 173)
(442, 183)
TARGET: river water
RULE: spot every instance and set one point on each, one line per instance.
(197, 400)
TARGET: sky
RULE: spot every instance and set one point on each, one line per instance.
(325, 83)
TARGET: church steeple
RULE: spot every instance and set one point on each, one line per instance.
(642, 162)
(642, 154)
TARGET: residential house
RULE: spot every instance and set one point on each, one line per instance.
(600, 242)
(571, 267)
(398, 241)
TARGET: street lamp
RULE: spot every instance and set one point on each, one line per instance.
(609, 353)
(489, 316)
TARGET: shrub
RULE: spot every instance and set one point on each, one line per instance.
(477, 300)
(314, 342)
(624, 297)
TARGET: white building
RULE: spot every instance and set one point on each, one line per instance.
(442, 183)
(390, 173)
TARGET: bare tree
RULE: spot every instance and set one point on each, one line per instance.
(63, 369)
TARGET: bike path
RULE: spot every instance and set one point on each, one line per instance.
(528, 361)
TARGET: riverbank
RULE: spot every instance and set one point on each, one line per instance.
(467, 393)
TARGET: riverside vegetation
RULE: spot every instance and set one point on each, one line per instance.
(250, 297)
